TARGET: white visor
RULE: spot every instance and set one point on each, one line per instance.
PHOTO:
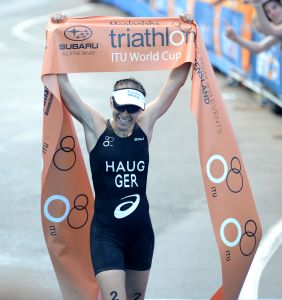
(129, 97)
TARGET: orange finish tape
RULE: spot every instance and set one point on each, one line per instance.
(95, 44)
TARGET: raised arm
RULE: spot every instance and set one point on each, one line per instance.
(156, 108)
(217, 2)
(93, 122)
(253, 46)
(169, 91)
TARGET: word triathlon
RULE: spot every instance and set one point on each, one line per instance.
(149, 38)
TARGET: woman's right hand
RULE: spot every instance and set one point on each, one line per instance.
(58, 18)
(230, 33)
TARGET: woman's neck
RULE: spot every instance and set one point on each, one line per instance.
(121, 133)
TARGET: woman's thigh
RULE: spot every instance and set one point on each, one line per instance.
(136, 284)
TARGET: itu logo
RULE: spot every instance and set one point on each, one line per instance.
(78, 33)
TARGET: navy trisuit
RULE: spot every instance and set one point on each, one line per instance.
(122, 236)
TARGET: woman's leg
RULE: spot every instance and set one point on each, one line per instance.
(136, 283)
(112, 284)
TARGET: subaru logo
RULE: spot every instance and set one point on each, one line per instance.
(78, 33)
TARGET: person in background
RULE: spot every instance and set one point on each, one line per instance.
(273, 11)
(270, 16)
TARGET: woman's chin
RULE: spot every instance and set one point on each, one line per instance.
(123, 124)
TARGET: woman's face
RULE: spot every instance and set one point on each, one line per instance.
(124, 120)
(274, 11)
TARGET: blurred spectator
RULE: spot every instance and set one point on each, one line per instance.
(272, 11)
(270, 16)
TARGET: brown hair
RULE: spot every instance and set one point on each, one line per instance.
(130, 83)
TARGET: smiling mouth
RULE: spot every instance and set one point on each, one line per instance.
(124, 120)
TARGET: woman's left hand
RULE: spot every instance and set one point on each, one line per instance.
(186, 18)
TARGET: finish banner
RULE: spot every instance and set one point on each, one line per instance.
(110, 44)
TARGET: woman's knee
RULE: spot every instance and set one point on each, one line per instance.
(112, 284)
(136, 283)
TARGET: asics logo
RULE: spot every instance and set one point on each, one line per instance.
(120, 214)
